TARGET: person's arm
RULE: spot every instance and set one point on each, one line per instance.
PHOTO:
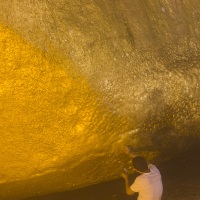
(127, 184)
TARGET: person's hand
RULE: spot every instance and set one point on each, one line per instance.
(129, 150)
(124, 176)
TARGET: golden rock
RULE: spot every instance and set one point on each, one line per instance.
(80, 79)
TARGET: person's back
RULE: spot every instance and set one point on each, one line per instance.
(148, 185)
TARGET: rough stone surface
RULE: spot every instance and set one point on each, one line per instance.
(80, 79)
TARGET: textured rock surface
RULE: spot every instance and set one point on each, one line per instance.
(79, 79)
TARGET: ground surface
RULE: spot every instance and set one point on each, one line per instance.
(181, 180)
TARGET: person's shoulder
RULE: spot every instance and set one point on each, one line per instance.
(139, 180)
(152, 167)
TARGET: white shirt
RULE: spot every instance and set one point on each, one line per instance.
(148, 185)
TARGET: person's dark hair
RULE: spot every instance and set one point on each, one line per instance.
(140, 163)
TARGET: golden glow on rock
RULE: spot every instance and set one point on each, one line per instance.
(134, 79)
(45, 110)
(53, 125)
